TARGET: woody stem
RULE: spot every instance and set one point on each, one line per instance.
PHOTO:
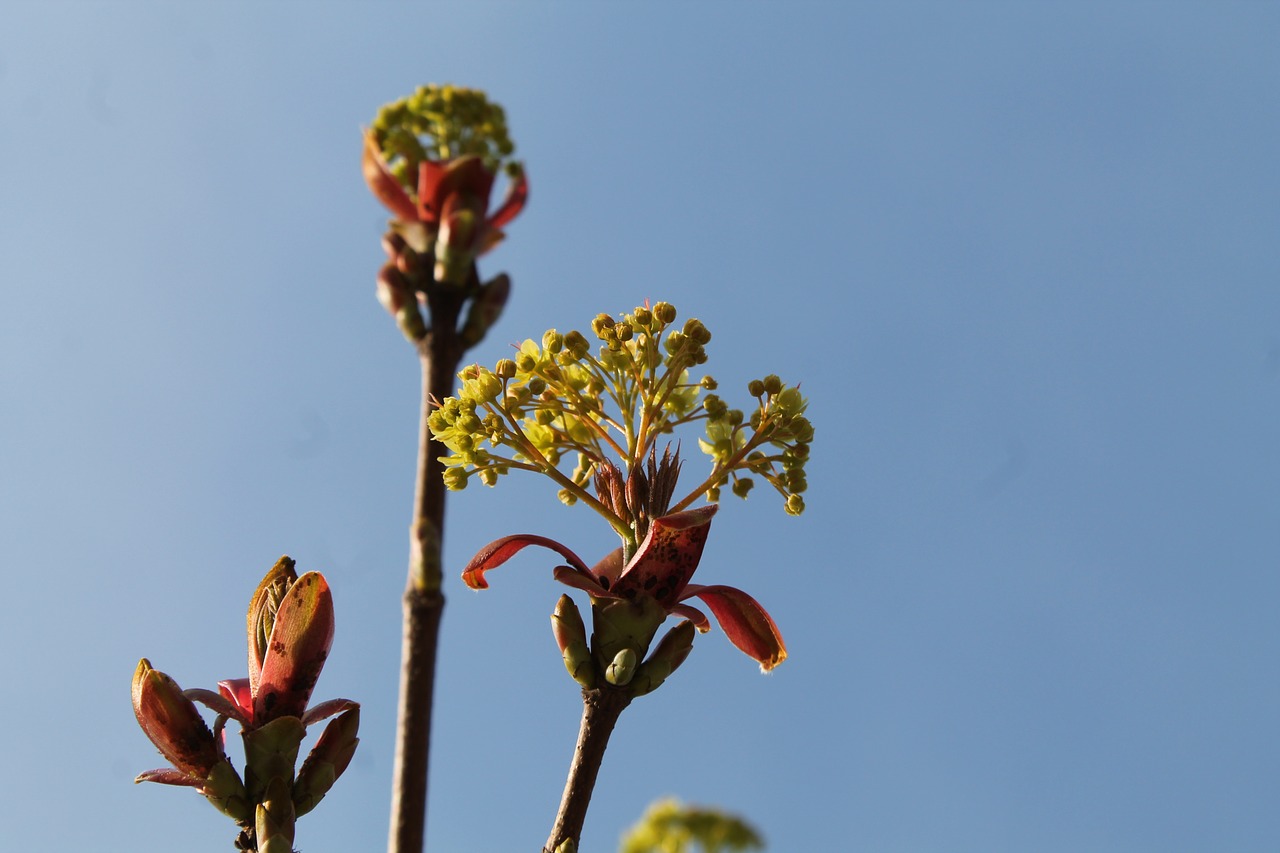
(601, 708)
(439, 353)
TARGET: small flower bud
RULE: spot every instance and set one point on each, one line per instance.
(644, 317)
(755, 388)
(795, 505)
(622, 331)
(505, 368)
(696, 332)
(772, 384)
(576, 345)
(742, 486)
(622, 668)
(455, 479)
(552, 341)
(602, 326)
(665, 312)
(709, 384)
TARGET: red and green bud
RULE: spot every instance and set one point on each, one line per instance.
(172, 722)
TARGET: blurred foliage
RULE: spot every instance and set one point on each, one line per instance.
(670, 827)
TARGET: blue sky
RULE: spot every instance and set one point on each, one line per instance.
(1022, 256)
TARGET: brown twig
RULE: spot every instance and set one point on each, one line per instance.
(439, 353)
(601, 708)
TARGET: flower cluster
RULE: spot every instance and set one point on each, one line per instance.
(552, 403)
(290, 628)
(432, 159)
(608, 411)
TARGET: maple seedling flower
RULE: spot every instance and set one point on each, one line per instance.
(558, 401)
(432, 160)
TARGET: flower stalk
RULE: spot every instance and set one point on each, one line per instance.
(432, 160)
(601, 709)
(610, 410)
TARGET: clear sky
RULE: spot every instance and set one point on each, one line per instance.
(1024, 258)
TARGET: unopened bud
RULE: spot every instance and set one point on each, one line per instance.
(622, 668)
(330, 756)
(670, 652)
(274, 818)
(571, 637)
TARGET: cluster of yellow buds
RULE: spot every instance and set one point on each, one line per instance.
(443, 123)
(558, 400)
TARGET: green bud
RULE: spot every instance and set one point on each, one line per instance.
(567, 846)
(622, 668)
(505, 369)
(755, 388)
(708, 383)
(665, 312)
(622, 331)
(643, 317)
(327, 761)
(552, 341)
(274, 818)
(455, 479)
(742, 486)
(794, 505)
(271, 751)
(772, 384)
(223, 788)
(567, 497)
(571, 637)
(538, 386)
(670, 652)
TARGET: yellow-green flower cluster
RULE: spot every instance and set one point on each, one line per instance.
(442, 123)
(558, 400)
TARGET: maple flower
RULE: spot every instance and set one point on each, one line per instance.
(659, 572)
(432, 159)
